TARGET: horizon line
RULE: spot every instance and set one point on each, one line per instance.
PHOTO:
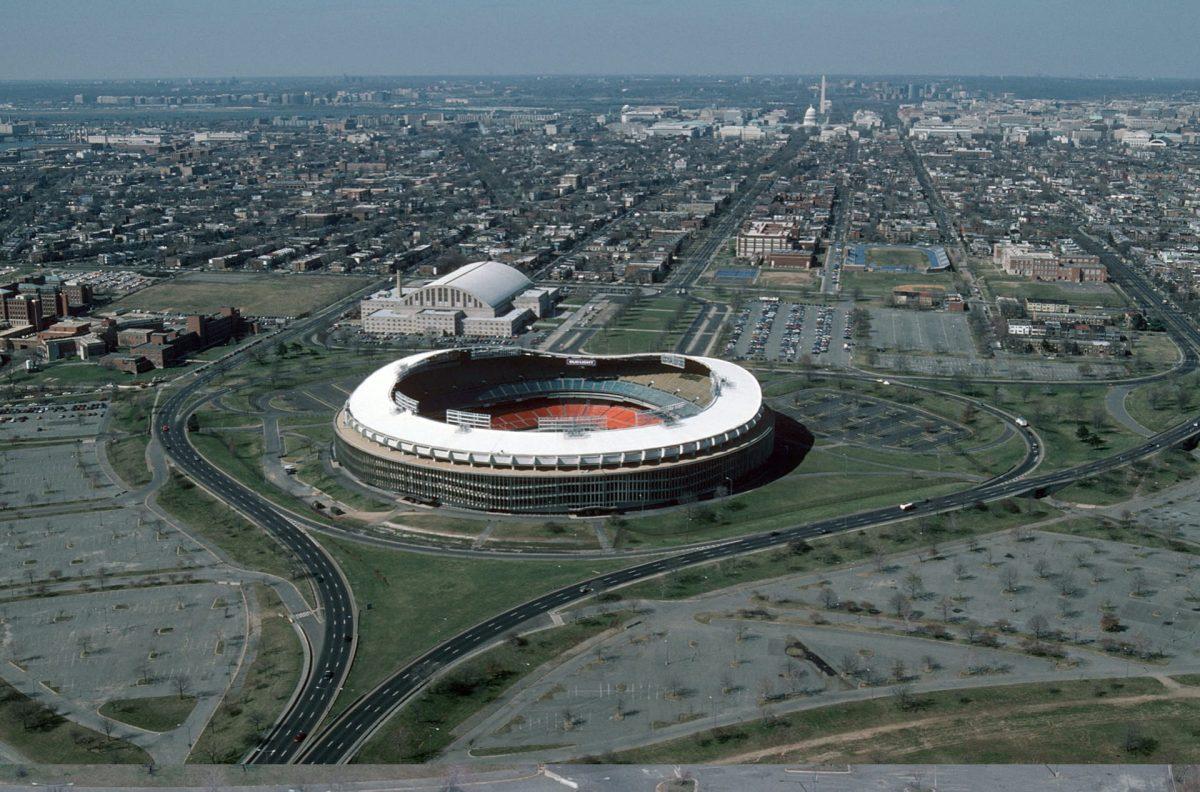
(610, 75)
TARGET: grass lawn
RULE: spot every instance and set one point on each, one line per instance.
(449, 522)
(1161, 405)
(131, 411)
(1062, 722)
(626, 341)
(853, 459)
(560, 532)
(209, 417)
(419, 731)
(239, 453)
(43, 736)
(1056, 412)
(256, 294)
(81, 373)
(128, 458)
(847, 548)
(260, 691)
(156, 714)
(791, 500)
(1080, 295)
(880, 284)
(650, 325)
(242, 542)
(897, 257)
(236, 452)
(1128, 532)
(1170, 467)
(578, 533)
(408, 602)
(1156, 350)
(304, 446)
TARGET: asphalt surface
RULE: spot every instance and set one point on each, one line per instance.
(338, 742)
(331, 660)
(341, 740)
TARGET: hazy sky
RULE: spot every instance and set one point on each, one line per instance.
(217, 38)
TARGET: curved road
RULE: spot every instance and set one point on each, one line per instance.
(331, 658)
(339, 741)
(342, 739)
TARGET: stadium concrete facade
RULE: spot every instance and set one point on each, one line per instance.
(513, 430)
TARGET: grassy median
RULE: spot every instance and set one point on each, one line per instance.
(408, 602)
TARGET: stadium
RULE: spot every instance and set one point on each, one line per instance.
(513, 430)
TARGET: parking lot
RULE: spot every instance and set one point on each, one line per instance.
(92, 543)
(75, 652)
(777, 331)
(863, 420)
(1067, 581)
(25, 421)
(938, 332)
(59, 473)
(105, 598)
(687, 665)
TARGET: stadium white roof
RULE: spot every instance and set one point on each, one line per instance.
(492, 282)
(733, 411)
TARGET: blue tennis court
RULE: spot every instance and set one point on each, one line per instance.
(737, 274)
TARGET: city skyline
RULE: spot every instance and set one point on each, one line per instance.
(119, 40)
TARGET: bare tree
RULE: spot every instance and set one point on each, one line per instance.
(900, 605)
(1066, 585)
(914, 585)
(1009, 578)
(1138, 584)
(1039, 625)
(945, 605)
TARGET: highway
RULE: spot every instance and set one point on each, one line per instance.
(331, 658)
(292, 736)
(342, 738)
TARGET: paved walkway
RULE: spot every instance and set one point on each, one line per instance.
(1114, 402)
(174, 746)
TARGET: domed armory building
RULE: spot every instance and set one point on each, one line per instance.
(485, 298)
(514, 430)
